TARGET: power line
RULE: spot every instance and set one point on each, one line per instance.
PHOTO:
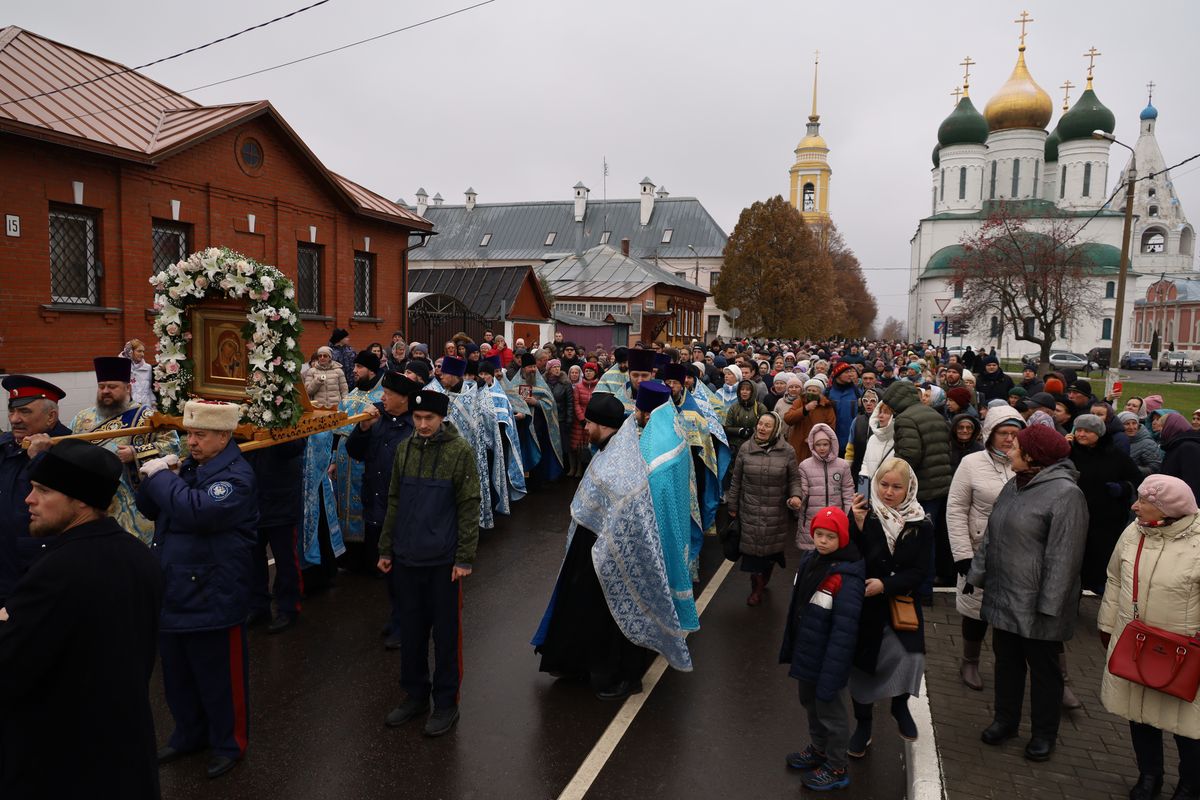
(195, 49)
(438, 18)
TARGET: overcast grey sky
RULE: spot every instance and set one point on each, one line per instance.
(521, 98)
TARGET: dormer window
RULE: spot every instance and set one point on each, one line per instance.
(666, 237)
(486, 240)
(604, 237)
(550, 238)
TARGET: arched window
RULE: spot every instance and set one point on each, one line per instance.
(992, 190)
(1110, 290)
(810, 197)
(1036, 170)
(1106, 330)
(1016, 178)
(958, 289)
(995, 327)
(1087, 180)
(1062, 183)
(942, 188)
(1153, 241)
(962, 183)
(1153, 193)
(933, 201)
(1187, 240)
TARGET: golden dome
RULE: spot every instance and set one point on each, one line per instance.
(812, 137)
(1020, 103)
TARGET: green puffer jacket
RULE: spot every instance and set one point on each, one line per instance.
(922, 439)
(417, 457)
(738, 417)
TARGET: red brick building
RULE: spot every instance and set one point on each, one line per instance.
(107, 178)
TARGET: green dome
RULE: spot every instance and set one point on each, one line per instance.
(1087, 115)
(937, 155)
(965, 125)
(1052, 142)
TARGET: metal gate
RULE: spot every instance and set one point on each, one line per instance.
(433, 319)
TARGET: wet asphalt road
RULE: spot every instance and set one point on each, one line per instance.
(319, 693)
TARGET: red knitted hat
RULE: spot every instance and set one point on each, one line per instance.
(841, 367)
(1043, 446)
(832, 518)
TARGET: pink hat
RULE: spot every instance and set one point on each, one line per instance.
(1169, 495)
(554, 362)
(1152, 403)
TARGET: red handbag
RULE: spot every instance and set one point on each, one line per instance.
(1152, 657)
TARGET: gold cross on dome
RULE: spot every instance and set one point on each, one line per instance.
(1067, 86)
(966, 64)
(1150, 89)
(958, 92)
(1023, 21)
(1090, 55)
(816, 56)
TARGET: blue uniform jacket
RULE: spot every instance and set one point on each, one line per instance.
(822, 630)
(205, 526)
(18, 550)
(376, 447)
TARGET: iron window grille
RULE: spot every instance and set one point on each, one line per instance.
(364, 276)
(74, 263)
(170, 244)
(308, 279)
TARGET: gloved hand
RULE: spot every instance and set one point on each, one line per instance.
(156, 465)
(1115, 489)
(968, 589)
(963, 566)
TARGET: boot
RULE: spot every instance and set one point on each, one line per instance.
(969, 670)
(756, 588)
(904, 721)
(1069, 701)
(860, 740)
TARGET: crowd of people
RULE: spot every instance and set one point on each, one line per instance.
(892, 468)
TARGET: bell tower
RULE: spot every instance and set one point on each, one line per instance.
(810, 173)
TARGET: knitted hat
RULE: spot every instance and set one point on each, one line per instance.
(554, 362)
(1042, 446)
(80, 470)
(1018, 391)
(1089, 422)
(1169, 495)
(367, 359)
(1054, 386)
(1127, 416)
(841, 367)
(1043, 400)
(1082, 387)
(961, 396)
(813, 383)
(832, 518)
(211, 415)
(592, 365)
(419, 368)
(326, 349)
(337, 335)
(1152, 403)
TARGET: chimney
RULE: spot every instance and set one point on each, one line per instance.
(662, 192)
(624, 247)
(581, 196)
(437, 199)
(647, 200)
(422, 202)
(471, 195)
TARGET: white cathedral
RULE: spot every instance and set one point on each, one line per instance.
(1005, 154)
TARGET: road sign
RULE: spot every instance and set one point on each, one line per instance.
(943, 303)
(939, 326)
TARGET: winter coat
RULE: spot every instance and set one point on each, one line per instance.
(1099, 467)
(880, 447)
(763, 480)
(344, 355)
(1033, 385)
(1182, 459)
(782, 408)
(992, 385)
(860, 433)
(1168, 598)
(922, 439)
(802, 421)
(959, 450)
(902, 572)
(740, 420)
(823, 482)
(141, 380)
(977, 483)
(582, 392)
(1031, 555)
(563, 399)
(844, 398)
(1147, 456)
(821, 632)
(326, 386)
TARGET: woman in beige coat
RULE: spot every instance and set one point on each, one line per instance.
(326, 380)
(977, 482)
(1168, 528)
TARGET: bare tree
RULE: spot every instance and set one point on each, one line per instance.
(892, 330)
(1031, 272)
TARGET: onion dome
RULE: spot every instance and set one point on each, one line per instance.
(1149, 112)
(1052, 142)
(937, 155)
(965, 125)
(1020, 103)
(1087, 115)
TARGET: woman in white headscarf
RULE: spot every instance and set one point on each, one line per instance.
(141, 374)
(896, 542)
(728, 390)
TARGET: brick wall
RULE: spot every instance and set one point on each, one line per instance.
(287, 196)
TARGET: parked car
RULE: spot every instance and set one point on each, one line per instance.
(1137, 359)
(1101, 355)
(1062, 359)
(1174, 359)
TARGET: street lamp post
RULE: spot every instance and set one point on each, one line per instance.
(1114, 358)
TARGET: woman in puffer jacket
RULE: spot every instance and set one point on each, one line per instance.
(1164, 542)
(1146, 454)
(741, 416)
(879, 446)
(825, 481)
(764, 493)
(326, 380)
(977, 482)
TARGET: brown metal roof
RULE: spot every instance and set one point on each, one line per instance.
(52, 91)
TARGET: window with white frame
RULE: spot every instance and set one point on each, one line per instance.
(605, 236)
(572, 308)
(602, 310)
(666, 237)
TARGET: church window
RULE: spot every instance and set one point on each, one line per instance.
(1062, 183)
(933, 202)
(1153, 211)
(1087, 179)
(1153, 241)
(995, 327)
(962, 183)
(1016, 181)
(1110, 290)
(1186, 241)
(1062, 330)
(942, 188)
(1152, 194)
(992, 189)
(958, 288)
(1036, 170)
(1106, 329)
(1029, 327)
(810, 197)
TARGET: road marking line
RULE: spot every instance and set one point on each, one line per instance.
(590, 769)
(923, 763)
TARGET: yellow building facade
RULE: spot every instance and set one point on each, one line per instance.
(811, 173)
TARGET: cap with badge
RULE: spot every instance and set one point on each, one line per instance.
(80, 470)
(24, 389)
(112, 369)
(651, 395)
(431, 401)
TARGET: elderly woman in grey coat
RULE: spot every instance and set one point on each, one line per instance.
(764, 493)
(1030, 561)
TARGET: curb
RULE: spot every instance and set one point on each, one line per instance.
(922, 764)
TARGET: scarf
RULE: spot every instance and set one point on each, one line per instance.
(893, 520)
(814, 570)
(775, 433)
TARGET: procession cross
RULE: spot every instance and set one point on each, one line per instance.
(966, 64)
(1023, 21)
(1067, 86)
